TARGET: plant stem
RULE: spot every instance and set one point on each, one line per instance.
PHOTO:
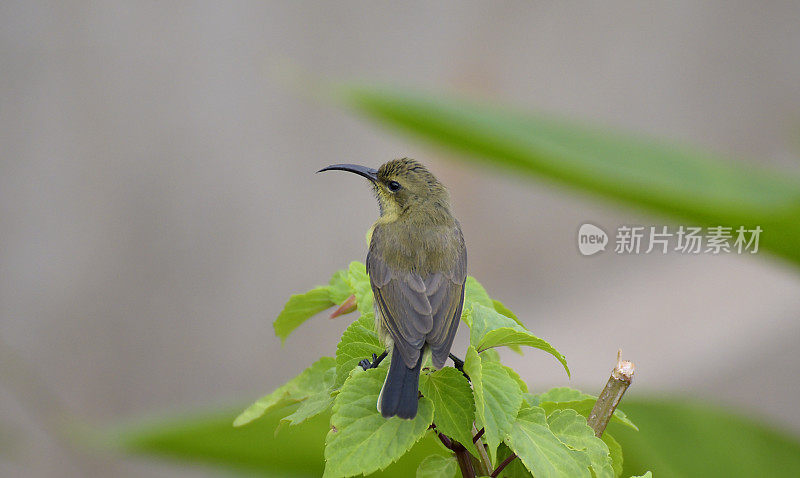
(505, 463)
(618, 383)
(462, 455)
(485, 463)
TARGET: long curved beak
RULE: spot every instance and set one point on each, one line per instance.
(369, 173)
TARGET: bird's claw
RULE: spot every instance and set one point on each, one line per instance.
(376, 360)
(366, 364)
(459, 365)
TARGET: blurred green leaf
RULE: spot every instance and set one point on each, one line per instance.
(361, 440)
(497, 398)
(359, 341)
(574, 432)
(300, 308)
(678, 182)
(680, 438)
(312, 380)
(453, 404)
(208, 438)
(437, 466)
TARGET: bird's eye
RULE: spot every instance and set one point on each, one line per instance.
(393, 186)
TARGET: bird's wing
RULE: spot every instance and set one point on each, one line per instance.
(445, 292)
(404, 308)
(416, 309)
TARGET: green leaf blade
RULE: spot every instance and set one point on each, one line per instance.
(497, 398)
(562, 398)
(453, 404)
(437, 466)
(310, 408)
(474, 293)
(542, 452)
(573, 431)
(300, 308)
(360, 439)
(314, 379)
(506, 336)
(615, 451)
(339, 287)
(359, 341)
(491, 329)
(359, 283)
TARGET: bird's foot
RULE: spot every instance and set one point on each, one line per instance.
(376, 360)
(459, 365)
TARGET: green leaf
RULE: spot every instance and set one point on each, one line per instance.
(312, 380)
(474, 293)
(615, 451)
(339, 287)
(359, 284)
(511, 337)
(573, 431)
(515, 469)
(497, 398)
(649, 474)
(492, 329)
(491, 355)
(359, 341)
(562, 394)
(542, 452)
(681, 438)
(513, 374)
(300, 308)
(692, 186)
(502, 309)
(311, 407)
(360, 439)
(453, 404)
(562, 398)
(437, 466)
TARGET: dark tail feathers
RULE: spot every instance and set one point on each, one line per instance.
(399, 396)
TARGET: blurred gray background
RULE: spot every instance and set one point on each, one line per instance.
(158, 201)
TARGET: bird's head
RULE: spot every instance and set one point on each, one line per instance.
(402, 186)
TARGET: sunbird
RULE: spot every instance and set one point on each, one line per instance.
(417, 266)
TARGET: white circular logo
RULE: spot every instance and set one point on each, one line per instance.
(591, 239)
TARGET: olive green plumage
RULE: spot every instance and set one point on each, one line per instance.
(417, 264)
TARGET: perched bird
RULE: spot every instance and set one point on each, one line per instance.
(417, 266)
